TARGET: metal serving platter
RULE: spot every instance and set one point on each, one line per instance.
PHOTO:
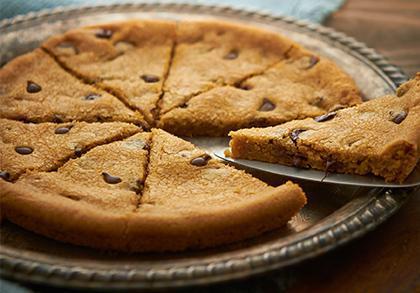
(334, 215)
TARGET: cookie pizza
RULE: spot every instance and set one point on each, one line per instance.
(88, 121)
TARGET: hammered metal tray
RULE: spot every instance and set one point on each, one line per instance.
(334, 214)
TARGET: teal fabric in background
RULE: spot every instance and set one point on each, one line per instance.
(313, 10)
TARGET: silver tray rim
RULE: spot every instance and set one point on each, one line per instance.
(375, 210)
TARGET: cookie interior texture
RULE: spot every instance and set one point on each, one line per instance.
(80, 163)
(381, 136)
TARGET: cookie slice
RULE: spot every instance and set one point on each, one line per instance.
(210, 54)
(33, 87)
(302, 86)
(46, 146)
(128, 59)
(381, 136)
(189, 200)
(193, 201)
(87, 201)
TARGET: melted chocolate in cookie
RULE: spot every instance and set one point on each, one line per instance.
(294, 135)
(104, 34)
(150, 78)
(233, 54)
(24, 150)
(32, 87)
(325, 117)
(5, 175)
(398, 117)
(111, 179)
(63, 129)
(92, 96)
(200, 161)
(267, 105)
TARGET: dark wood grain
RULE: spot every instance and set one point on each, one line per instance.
(388, 259)
(392, 27)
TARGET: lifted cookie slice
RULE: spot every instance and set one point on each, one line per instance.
(128, 59)
(46, 146)
(381, 136)
(210, 54)
(33, 87)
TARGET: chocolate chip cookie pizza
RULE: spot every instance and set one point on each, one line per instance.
(83, 162)
(381, 136)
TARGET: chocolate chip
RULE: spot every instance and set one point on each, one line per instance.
(325, 117)
(329, 164)
(63, 129)
(24, 150)
(78, 151)
(299, 161)
(92, 96)
(138, 188)
(294, 135)
(183, 106)
(32, 87)
(104, 33)
(200, 161)
(149, 78)
(267, 105)
(233, 54)
(111, 179)
(313, 60)
(245, 87)
(5, 175)
(58, 119)
(398, 117)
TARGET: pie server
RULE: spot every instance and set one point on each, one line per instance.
(321, 176)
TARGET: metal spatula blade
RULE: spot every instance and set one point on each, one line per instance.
(320, 176)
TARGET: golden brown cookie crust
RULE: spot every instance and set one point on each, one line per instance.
(70, 221)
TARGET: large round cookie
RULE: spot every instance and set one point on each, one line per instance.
(135, 190)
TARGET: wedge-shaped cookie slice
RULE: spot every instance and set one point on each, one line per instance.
(302, 86)
(189, 200)
(193, 201)
(87, 201)
(381, 136)
(46, 146)
(129, 59)
(33, 87)
(210, 54)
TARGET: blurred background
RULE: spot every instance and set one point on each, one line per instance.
(390, 26)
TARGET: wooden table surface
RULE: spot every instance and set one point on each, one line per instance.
(387, 259)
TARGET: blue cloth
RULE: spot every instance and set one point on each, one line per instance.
(313, 10)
